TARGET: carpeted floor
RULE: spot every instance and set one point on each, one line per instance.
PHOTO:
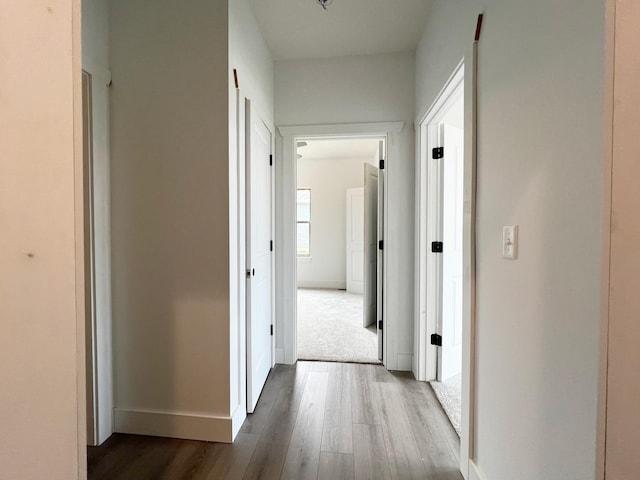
(330, 328)
(449, 394)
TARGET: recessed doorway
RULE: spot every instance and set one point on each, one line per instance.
(445, 203)
(339, 207)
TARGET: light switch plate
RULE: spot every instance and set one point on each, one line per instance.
(510, 242)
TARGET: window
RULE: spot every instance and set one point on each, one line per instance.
(304, 222)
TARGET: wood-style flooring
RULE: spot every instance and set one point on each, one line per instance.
(315, 420)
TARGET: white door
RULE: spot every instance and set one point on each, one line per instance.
(380, 260)
(355, 240)
(259, 256)
(370, 244)
(450, 363)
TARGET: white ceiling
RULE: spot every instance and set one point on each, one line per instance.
(324, 149)
(297, 29)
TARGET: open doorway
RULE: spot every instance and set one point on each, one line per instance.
(339, 229)
(444, 181)
(448, 226)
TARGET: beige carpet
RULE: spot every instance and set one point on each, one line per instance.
(449, 394)
(330, 328)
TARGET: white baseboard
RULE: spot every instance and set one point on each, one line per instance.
(280, 355)
(174, 425)
(339, 285)
(237, 419)
(474, 472)
(405, 363)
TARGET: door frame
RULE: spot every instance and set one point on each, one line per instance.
(462, 81)
(286, 283)
(97, 225)
(428, 213)
(246, 109)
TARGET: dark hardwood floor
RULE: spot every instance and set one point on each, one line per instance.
(315, 420)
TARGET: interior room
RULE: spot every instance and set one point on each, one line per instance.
(331, 240)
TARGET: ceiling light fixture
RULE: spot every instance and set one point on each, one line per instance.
(324, 3)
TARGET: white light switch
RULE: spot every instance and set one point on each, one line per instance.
(510, 241)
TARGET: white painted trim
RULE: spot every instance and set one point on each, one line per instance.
(442, 102)
(342, 129)
(337, 285)
(241, 258)
(208, 428)
(280, 355)
(99, 328)
(474, 472)
(237, 419)
(467, 440)
(286, 257)
(462, 80)
(251, 112)
(427, 304)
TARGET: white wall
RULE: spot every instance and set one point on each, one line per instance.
(540, 150)
(42, 399)
(623, 416)
(95, 61)
(328, 180)
(249, 55)
(375, 88)
(170, 217)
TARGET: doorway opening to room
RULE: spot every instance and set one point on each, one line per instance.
(339, 248)
(448, 226)
(445, 201)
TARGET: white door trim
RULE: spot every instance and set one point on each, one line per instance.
(286, 272)
(98, 329)
(462, 81)
(427, 206)
(250, 115)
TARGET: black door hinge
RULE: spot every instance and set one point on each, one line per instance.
(437, 153)
(381, 164)
(437, 247)
(381, 245)
(271, 246)
(271, 160)
(380, 324)
(248, 273)
(271, 330)
(436, 340)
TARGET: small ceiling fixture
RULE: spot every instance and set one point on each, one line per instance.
(324, 3)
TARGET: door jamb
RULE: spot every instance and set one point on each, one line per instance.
(461, 81)
(286, 224)
(428, 193)
(245, 104)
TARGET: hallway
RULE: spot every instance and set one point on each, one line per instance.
(314, 420)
